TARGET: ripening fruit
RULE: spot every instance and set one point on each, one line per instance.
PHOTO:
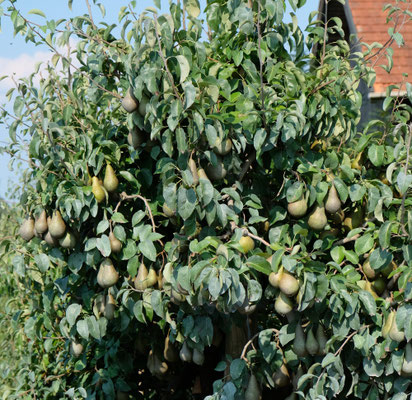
(135, 138)
(283, 304)
(129, 102)
(253, 389)
(68, 241)
(312, 345)
(288, 284)
(407, 361)
(216, 172)
(198, 357)
(222, 148)
(76, 348)
(274, 277)
(299, 343)
(110, 181)
(333, 203)
(379, 285)
(140, 282)
(115, 243)
(298, 208)
(49, 239)
(97, 190)
(185, 353)
(151, 279)
(246, 243)
(368, 270)
(170, 352)
(281, 377)
(193, 169)
(109, 307)
(321, 339)
(27, 229)
(57, 227)
(107, 275)
(395, 334)
(388, 324)
(143, 105)
(353, 220)
(41, 223)
(356, 164)
(202, 174)
(317, 219)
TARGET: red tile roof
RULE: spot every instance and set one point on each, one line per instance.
(370, 23)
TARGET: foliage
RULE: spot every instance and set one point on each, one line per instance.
(292, 134)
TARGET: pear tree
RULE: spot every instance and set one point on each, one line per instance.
(204, 216)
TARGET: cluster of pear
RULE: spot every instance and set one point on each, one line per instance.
(318, 219)
(289, 287)
(390, 330)
(100, 189)
(376, 280)
(147, 278)
(281, 378)
(52, 230)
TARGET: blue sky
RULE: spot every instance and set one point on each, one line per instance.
(19, 58)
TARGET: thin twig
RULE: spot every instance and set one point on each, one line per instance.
(90, 14)
(250, 159)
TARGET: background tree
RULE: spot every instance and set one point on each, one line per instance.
(203, 218)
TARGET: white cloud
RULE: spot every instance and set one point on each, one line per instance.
(20, 67)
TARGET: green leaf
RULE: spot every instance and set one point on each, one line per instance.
(192, 8)
(380, 258)
(186, 202)
(368, 302)
(133, 265)
(364, 244)
(404, 182)
(42, 261)
(37, 12)
(259, 264)
(376, 154)
(385, 234)
(72, 312)
(184, 67)
(148, 249)
(82, 329)
(119, 218)
(103, 245)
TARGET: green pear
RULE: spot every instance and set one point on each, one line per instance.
(333, 203)
(354, 220)
(297, 209)
(57, 227)
(115, 243)
(97, 190)
(321, 339)
(140, 282)
(274, 277)
(407, 360)
(253, 389)
(129, 102)
(198, 357)
(167, 273)
(109, 307)
(68, 241)
(143, 105)
(317, 219)
(202, 174)
(50, 240)
(107, 275)
(193, 169)
(283, 304)
(222, 147)
(368, 270)
(296, 376)
(186, 353)
(27, 229)
(170, 352)
(388, 269)
(136, 137)
(369, 288)
(395, 334)
(41, 222)
(379, 285)
(281, 377)
(288, 284)
(216, 172)
(176, 297)
(151, 279)
(76, 348)
(110, 181)
(299, 343)
(312, 345)
(246, 243)
(388, 324)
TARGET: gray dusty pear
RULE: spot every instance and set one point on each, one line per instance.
(27, 229)
(41, 222)
(57, 226)
(107, 275)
